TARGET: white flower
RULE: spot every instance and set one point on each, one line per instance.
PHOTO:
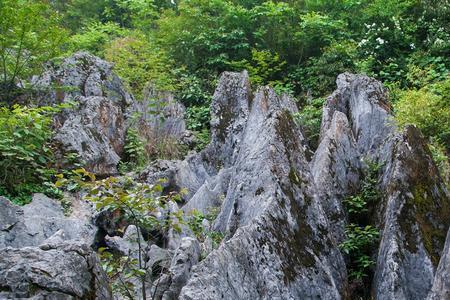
(380, 41)
(412, 46)
(362, 43)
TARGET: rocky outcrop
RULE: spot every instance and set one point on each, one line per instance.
(32, 224)
(413, 211)
(278, 240)
(95, 126)
(67, 270)
(284, 216)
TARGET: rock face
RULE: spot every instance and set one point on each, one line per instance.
(281, 211)
(32, 224)
(95, 126)
(256, 169)
(414, 209)
(52, 271)
(283, 214)
(441, 284)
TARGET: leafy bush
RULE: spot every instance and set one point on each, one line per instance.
(26, 157)
(361, 237)
(139, 204)
(30, 35)
(195, 222)
(360, 241)
(264, 67)
(427, 108)
(139, 62)
(96, 36)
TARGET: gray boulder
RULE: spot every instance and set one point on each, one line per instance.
(32, 224)
(169, 285)
(80, 75)
(68, 270)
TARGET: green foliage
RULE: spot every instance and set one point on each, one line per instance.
(139, 62)
(360, 240)
(361, 237)
(197, 117)
(441, 159)
(195, 222)
(96, 36)
(135, 157)
(29, 36)
(429, 109)
(26, 157)
(139, 204)
(263, 68)
(309, 118)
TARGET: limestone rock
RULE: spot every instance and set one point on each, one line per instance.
(279, 245)
(441, 283)
(81, 74)
(68, 270)
(32, 224)
(415, 210)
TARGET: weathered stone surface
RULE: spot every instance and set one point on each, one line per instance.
(414, 209)
(441, 283)
(279, 245)
(158, 113)
(95, 130)
(127, 245)
(336, 168)
(68, 270)
(32, 224)
(159, 258)
(95, 127)
(81, 74)
(185, 257)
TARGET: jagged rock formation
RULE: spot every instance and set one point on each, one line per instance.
(281, 211)
(414, 209)
(32, 224)
(63, 270)
(441, 284)
(256, 170)
(95, 127)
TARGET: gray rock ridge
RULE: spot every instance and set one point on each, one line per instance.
(66, 270)
(413, 212)
(80, 75)
(32, 224)
(279, 245)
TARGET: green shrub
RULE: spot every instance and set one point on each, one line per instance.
(26, 156)
(429, 109)
(361, 237)
(30, 35)
(96, 37)
(139, 61)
